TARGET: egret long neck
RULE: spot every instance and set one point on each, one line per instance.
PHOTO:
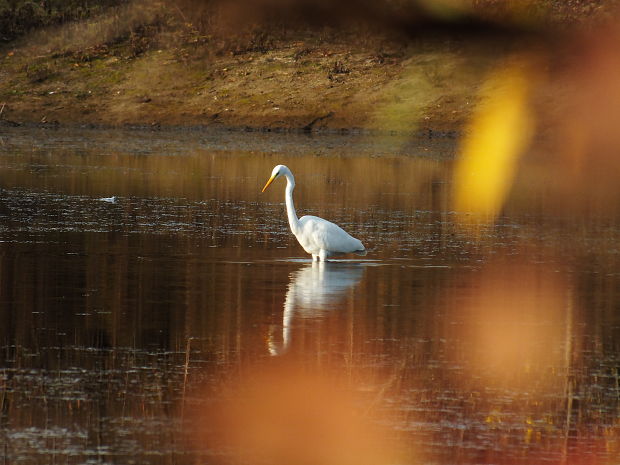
(293, 221)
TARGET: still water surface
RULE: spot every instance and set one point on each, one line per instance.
(144, 278)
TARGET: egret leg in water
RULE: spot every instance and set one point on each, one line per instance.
(320, 238)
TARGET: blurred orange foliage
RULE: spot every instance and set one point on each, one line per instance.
(283, 415)
(515, 329)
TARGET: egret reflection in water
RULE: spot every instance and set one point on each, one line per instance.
(313, 290)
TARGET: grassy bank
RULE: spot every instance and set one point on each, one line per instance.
(156, 63)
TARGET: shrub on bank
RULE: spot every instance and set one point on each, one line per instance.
(18, 17)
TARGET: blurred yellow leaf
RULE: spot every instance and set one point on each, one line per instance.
(498, 132)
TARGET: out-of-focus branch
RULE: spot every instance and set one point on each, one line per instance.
(486, 19)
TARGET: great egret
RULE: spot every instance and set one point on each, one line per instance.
(317, 236)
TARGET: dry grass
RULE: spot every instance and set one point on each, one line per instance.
(159, 62)
(112, 71)
(117, 24)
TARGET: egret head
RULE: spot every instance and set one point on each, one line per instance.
(278, 171)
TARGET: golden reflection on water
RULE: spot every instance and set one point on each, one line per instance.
(122, 321)
(359, 182)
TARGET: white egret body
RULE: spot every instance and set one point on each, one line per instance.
(318, 237)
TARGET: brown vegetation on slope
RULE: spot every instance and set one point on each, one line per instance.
(395, 65)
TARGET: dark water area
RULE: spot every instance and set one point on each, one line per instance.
(146, 285)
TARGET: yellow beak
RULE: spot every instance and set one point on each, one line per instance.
(269, 182)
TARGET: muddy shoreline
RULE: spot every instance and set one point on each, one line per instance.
(426, 133)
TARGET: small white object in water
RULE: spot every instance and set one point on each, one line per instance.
(108, 199)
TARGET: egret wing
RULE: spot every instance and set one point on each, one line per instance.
(328, 236)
